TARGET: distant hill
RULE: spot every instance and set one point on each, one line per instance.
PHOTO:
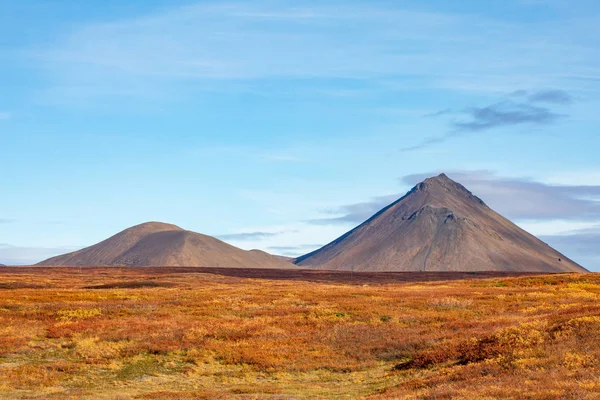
(159, 244)
(438, 226)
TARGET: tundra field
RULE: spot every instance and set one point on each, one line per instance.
(177, 333)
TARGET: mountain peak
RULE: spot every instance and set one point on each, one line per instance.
(441, 179)
(156, 226)
(442, 186)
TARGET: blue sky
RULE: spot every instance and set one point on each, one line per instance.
(280, 125)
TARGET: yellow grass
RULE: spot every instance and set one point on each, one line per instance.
(210, 336)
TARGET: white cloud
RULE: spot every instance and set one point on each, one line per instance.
(583, 178)
(296, 236)
(555, 227)
(242, 41)
(23, 255)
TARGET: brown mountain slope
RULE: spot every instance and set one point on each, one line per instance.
(158, 244)
(438, 226)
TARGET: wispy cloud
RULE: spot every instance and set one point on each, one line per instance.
(356, 212)
(583, 241)
(7, 220)
(582, 244)
(214, 40)
(294, 251)
(505, 114)
(439, 113)
(242, 41)
(23, 255)
(427, 142)
(551, 96)
(247, 236)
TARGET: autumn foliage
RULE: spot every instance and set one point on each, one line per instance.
(118, 333)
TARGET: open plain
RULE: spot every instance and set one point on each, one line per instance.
(172, 333)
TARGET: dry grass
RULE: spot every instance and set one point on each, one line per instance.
(194, 335)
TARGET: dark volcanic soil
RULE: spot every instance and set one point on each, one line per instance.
(148, 277)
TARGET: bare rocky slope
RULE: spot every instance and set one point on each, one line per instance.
(438, 226)
(158, 244)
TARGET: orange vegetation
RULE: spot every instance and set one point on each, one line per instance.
(121, 334)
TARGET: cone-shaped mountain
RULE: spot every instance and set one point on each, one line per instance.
(438, 226)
